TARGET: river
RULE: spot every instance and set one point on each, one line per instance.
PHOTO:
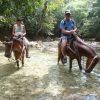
(42, 79)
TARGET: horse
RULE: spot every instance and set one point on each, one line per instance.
(76, 50)
(16, 46)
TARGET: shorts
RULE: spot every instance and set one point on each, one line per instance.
(66, 38)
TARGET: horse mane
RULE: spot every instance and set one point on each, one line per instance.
(87, 46)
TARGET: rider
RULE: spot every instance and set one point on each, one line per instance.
(67, 27)
(19, 30)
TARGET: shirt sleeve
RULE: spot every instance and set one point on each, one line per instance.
(62, 26)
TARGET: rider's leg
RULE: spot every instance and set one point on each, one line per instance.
(27, 52)
(26, 42)
(63, 48)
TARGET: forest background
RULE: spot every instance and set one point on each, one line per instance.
(42, 17)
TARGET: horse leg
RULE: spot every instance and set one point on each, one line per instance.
(79, 63)
(64, 51)
(59, 52)
(60, 55)
(16, 54)
(17, 64)
(23, 59)
(70, 64)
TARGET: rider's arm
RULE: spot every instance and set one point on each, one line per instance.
(13, 31)
(66, 31)
(24, 30)
(74, 31)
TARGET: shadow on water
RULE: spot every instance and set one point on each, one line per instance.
(7, 69)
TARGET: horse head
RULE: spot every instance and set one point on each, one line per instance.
(92, 57)
(92, 64)
(8, 44)
(82, 49)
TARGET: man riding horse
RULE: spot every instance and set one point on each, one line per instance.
(19, 31)
(68, 31)
(71, 45)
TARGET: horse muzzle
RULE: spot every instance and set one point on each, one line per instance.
(8, 55)
(93, 63)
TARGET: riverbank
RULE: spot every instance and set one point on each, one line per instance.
(52, 45)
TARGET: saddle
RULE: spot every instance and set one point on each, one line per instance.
(18, 39)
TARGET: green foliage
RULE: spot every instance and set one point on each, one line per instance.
(38, 15)
(94, 19)
(42, 17)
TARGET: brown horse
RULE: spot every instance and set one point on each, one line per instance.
(16, 46)
(75, 51)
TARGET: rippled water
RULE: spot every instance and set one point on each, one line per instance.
(42, 79)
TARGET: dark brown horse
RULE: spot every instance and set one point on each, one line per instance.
(16, 46)
(75, 51)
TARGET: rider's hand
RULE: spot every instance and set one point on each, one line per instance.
(24, 35)
(72, 31)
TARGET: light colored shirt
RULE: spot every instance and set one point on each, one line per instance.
(19, 29)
